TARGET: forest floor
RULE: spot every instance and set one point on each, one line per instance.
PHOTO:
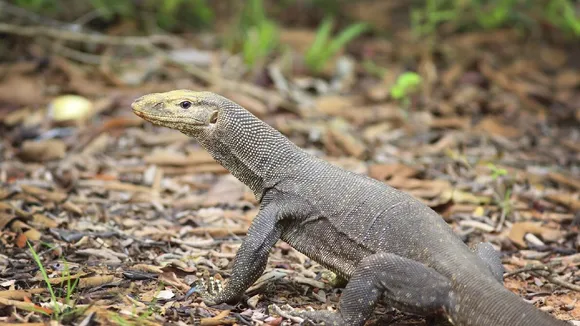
(124, 216)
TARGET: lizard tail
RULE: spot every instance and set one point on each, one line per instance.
(488, 302)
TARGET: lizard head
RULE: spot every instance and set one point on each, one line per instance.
(184, 110)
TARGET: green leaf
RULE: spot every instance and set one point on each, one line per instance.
(397, 92)
(260, 41)
(405, 84)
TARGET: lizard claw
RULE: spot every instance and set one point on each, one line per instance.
(209, 293)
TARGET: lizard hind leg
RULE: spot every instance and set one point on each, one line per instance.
(403, 282)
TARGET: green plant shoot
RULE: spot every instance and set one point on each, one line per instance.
(406, 84)
(324, 47)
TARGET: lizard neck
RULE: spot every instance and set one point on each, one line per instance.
(247, 147)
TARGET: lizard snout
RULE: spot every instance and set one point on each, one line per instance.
(135, 103)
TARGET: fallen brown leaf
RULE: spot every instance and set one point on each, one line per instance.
(43, 194)
(113, 185)
(519, 230)
(227, 190)
(72, 207)
(178, 159)
(33, 234)
(494, 127)
(21, 90)
(171, 279)
(219, 319)
(109, 255)
(147, 268)
(20, 294)
(255, 106)
(565, 199)
(568, 180)
(24, 305)
(6, 216)
(63, 279)
(42, 150)
(93, 281)
(217, 232)
(568, 79)
(340, 134)
(44, 221)
(387, 171)
(335, 105)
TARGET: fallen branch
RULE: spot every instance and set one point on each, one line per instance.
(527, 269)
(83, 37)
(552, 278)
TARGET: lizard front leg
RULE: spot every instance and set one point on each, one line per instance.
(252, 257)
(404, 282)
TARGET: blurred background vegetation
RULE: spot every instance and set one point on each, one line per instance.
(251, 27)
(426, 16)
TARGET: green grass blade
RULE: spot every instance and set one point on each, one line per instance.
(315, 52)
(45, 278)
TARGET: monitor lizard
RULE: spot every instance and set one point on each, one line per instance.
(386, 243)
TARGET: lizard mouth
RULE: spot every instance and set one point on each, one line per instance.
(163, 120)
(139, 113)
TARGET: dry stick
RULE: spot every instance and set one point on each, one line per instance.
(527, 269)
(61, 34)
(82, 57)
(535, 270)
(552, 278)
(69, 53)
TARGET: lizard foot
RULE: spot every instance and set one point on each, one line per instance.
(207, 293)
(321, 317)
(310, 317)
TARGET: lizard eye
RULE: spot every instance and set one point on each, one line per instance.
(185, 105)
(213, 118)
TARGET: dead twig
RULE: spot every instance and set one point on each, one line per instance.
(554, 279)
(83, 37)
(545, 272)
(527, 269)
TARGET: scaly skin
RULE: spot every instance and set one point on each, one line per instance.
(388, 244)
